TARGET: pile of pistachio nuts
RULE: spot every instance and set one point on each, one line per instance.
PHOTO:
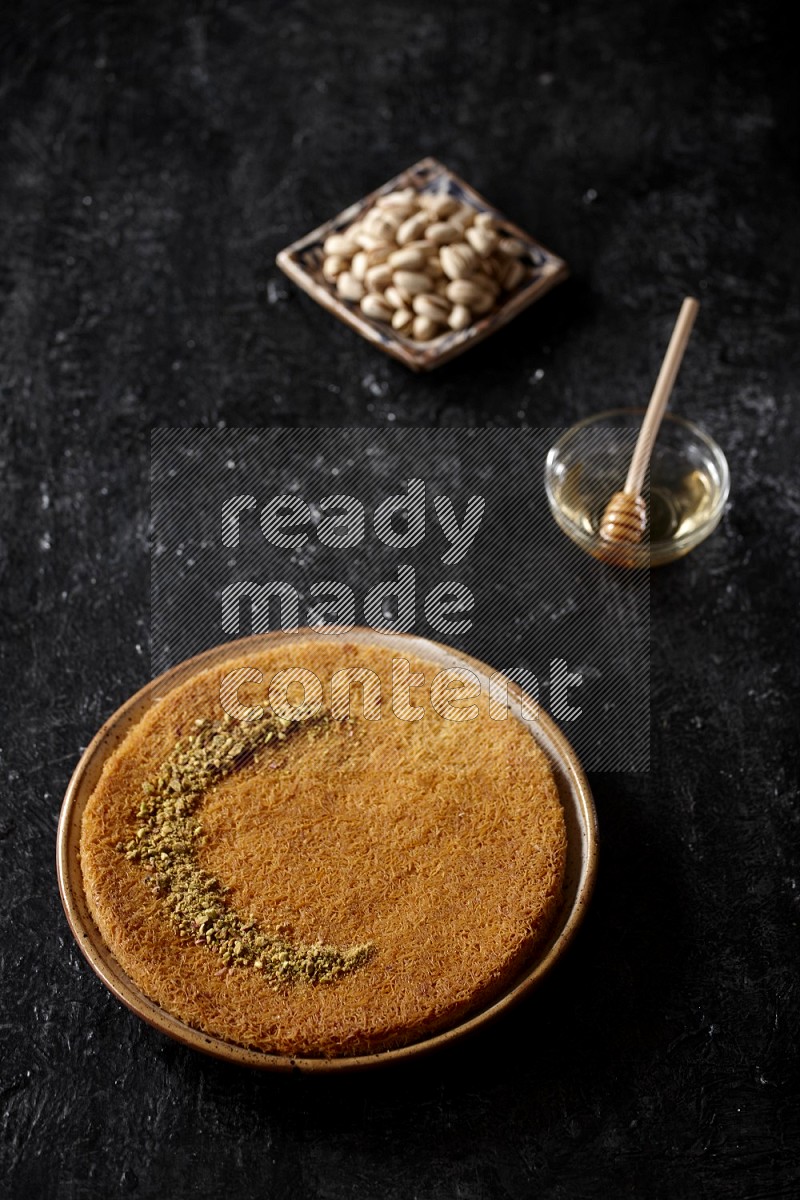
(424, 263)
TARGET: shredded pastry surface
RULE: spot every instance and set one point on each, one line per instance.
(422, 861)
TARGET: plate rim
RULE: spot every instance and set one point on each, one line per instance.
(103, 962)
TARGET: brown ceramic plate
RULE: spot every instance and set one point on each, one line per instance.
(302, 262)
(581, 859)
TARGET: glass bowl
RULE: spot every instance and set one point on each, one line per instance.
(685, 491)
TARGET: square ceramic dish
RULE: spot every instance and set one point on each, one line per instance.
(302, 262)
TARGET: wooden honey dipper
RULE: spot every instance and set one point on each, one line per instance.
(625, 517)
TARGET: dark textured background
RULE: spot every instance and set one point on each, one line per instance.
(154, 158)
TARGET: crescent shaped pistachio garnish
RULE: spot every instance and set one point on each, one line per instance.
(166, 840)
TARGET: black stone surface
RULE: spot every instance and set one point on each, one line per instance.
(154, 159)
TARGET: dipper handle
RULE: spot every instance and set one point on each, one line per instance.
(660, 397)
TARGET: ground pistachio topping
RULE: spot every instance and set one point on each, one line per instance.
(166, 841)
